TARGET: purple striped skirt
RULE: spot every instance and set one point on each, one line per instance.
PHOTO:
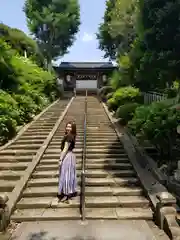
(67, 174)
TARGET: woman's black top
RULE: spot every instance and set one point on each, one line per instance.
(70, 139)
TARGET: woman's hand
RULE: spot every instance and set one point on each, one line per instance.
(60, 162)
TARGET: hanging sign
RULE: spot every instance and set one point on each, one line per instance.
(86, 77)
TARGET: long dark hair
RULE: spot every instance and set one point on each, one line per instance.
(73, 131)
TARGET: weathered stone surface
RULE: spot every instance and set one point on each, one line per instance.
(95, 230)
(134, 213)
(166, 198)
(101, 213)
(6, 186)
(10, 175)
(125, 191)
(168, 210)
(13, 166)
(101, 201)
(28, 203)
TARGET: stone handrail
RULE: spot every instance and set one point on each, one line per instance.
(3, 211)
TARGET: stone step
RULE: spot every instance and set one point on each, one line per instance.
(42, 125)
(12, 152)
(89, 161)
(11, 175)
(39, 137)
(122, 166)
(48, 191)
(121, 182)
(119, 213)
(101, 142)
(43, 182)
(117, 201)
(89, 151)
(92, 147)
(105, 147)
(13, 166)
(88, 156)
(100, 137)
(102, 134)
(89, 131)
(40, 129)
(57, 214)
(48, 214)
(27, 142)
(89, 173)
(38, 134)
(89, 138)
(46, 202)
(7, 186)
(91, 202)
(104, 144)
(15, 159)
(26, 146)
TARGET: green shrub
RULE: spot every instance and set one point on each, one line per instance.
(112, 104)
(27, 107)
(171, 92)
(25, 90)
(116, 80)
(124, 95)
(7, 128)
(126, 111)
(127, 94)
(142, 114)
(158, 124)
(9, 107)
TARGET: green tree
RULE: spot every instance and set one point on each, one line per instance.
(106, 41)
(156, 52)
(23, 45)
(123, 22)
(54, 25)
(117, 32)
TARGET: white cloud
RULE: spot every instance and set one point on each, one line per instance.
(87, 37)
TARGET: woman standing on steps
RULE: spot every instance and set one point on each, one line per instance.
(67, 165)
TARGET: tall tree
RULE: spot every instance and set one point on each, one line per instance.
(23, 44)
(123, 23)
(117, 32)
(157, 49)
(106, 42)
(54, 24)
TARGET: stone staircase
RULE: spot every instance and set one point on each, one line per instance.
(15, 158)
(113, 190)
(39, 201)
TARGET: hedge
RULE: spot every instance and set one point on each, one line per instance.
(126, 111)
(25, 89)
(124, 95)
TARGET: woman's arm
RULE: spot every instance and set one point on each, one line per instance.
(64, 151)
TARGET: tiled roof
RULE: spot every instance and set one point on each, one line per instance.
(86, 65)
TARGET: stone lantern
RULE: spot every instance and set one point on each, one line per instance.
(104, 78)
(68, 78)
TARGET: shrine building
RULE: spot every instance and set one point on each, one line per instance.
(84, 75)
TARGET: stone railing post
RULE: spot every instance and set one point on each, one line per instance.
(165, 206)
(3, 212)
(166, 215)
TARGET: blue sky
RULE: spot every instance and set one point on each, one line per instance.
(85, 47)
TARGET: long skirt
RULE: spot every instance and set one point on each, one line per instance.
(67, 175)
